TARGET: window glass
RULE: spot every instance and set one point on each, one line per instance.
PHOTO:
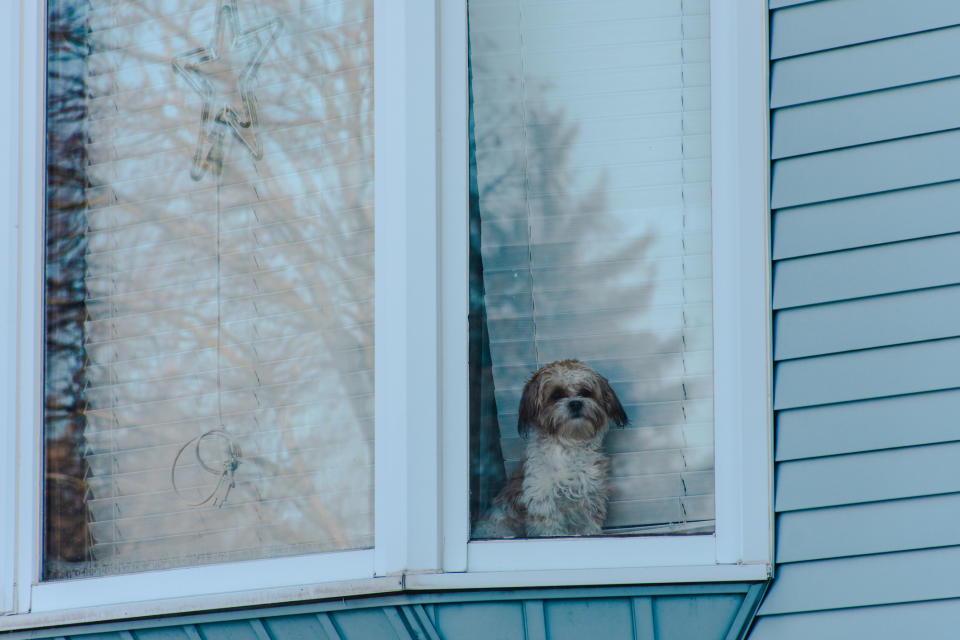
(209, 282)
(590, 238)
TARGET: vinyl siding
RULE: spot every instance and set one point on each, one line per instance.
(865, 198)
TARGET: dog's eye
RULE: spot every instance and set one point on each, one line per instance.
(585, 393)
(558, 395)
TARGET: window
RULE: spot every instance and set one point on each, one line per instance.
(237, 499)
(590, 229)
(209, 292)
(737, 210)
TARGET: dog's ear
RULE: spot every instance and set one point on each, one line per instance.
(612, 404)
(528, 406)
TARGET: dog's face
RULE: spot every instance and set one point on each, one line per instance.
(570, 401)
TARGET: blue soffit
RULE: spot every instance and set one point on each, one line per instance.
(669, 612)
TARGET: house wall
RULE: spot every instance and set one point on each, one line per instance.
(865, 99)
(863, 374)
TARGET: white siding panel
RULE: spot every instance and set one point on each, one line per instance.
(901, 266)
(857, 171)
(880, 321)
(869, 117)
(870, 580)
(827, 25)
(936, 619)
(868, 220)
(868, 477)
(868, 67)
(874, 373)
(866, 425)
(776, 4)
(878, 527)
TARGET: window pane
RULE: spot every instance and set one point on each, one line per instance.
(209, 282)
(591, 239)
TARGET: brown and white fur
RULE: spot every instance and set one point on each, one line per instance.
(561, 487)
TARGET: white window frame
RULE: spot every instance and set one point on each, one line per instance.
(421, 477)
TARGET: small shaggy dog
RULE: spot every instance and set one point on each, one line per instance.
(561, 487)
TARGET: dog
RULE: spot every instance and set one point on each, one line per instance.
(561, 487)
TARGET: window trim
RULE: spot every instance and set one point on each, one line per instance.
(742, 321)
(10, 147)
(24, 395)
(421, 367)
(407, 403)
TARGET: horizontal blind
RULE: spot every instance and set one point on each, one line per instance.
(593, 171)
(229, 281)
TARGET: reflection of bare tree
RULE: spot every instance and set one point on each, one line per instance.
(562, 276)
(244, 303)
(323, 264)
(543, 169)
(65, 535)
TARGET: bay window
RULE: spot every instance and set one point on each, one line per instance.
(242, 198)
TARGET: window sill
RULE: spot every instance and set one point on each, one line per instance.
(198, 604)
(591, 553)
(389, 585)
(588, 577)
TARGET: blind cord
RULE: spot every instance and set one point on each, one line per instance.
(526, 187)
(683, 242)
(219, 311)
(225, 469)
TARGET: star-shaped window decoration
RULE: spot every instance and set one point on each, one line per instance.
(224, 74)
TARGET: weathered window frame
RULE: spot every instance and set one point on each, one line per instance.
(421, 336)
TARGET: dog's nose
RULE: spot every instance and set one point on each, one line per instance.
(576, 406)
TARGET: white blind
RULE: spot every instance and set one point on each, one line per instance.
(593, 170)
(229, 329)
